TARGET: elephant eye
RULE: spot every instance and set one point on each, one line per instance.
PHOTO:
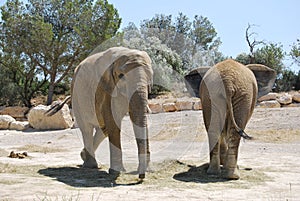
(121, 75)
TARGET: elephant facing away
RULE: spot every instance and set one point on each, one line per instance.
(228, 93)
(105, 87)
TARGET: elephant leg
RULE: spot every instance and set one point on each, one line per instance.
(88, 153)
(231, 169)
(116, 162)
(141, 134)
(214, 164)
(98, 138)
(223, 150)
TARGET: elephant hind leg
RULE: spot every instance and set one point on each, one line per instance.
(214, 164)
(231, 170)
(88, 153)
(223, 150)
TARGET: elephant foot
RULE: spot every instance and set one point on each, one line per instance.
(212, 170)
(232, 174)
(89, 161)
(115, 173)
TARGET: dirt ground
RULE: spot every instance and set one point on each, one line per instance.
(269, 164)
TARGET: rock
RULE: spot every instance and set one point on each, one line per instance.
(296, 97)
(19, 113)
(285, 99)
(5, 121)
(197, 105)
(292, 105)
(169, 107)
(268, 97)
(61, 120)
(269, 104)
(155, 107)
(183, 105)
(19, 125)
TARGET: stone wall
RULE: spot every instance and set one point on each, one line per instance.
(16, 118)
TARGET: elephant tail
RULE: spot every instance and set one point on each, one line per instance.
(56, 107)
(240, 131)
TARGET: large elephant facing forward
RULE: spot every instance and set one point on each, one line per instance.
(228, 92)
(105, 87)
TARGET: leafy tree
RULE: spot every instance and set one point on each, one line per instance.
(49, 38)
(286, 81)
(271, 55)
(295, 52)
(192, 40)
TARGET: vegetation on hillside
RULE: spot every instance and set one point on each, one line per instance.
(41, 42)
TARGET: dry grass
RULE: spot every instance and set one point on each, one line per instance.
(171, 173)
(42, 149)
(275, 136)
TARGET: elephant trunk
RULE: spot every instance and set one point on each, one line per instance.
(137, 111)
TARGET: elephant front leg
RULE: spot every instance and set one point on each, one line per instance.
(231, 170)
(141, 134)
(116, 162)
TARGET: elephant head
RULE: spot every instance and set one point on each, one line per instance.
(264, 75)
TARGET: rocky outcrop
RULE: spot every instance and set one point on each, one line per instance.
(155, 107)
(268, 97)
(285, 99)
(296, 98)
(169, 107)
(39, 120)
(269, 104)
(19, 125)
(17, 112)
(183, 104)
(5, 121)
(291, 99)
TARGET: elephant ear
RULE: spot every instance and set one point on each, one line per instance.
(110, 78)
(193, 80)
(265, 78)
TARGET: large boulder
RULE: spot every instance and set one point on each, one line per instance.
(39, 120)
(197, 105)
(269, 104)
(285, 99)
(296, 97)
(268, 97)
(5, 121)
(19, 125)
(19, 113)
(183, 104)
(155, 108)
(169, 107)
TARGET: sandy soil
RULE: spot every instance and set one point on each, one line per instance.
(269, 164)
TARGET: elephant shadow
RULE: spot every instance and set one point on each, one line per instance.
(82, 177)
(198, 175)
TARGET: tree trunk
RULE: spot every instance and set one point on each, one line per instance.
(50, 94)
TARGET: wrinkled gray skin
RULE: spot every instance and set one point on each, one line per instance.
(228, 93)
(105, 87)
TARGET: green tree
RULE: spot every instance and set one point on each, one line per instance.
(271, 55)
(295, 52)
(195, 41)
(49, 38)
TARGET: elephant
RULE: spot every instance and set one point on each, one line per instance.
(229, 92)
(105, 87)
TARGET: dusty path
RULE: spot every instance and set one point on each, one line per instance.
(269, 164)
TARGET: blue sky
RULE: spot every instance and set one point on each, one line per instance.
(277, 21)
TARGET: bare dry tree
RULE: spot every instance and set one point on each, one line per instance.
(252, 42)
